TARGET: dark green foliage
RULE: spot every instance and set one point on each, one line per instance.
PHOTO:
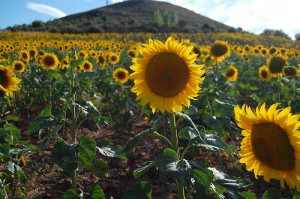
(129, 16)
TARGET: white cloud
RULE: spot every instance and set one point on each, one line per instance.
(251, 15)
(45, 9)
(116, 1)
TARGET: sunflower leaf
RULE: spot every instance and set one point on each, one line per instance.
(133, 142)
(168, 163)
(138, 191)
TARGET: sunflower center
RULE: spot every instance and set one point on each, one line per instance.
(86, 66)
(219, 50)
(24, 55)
(49, 61)
(18, 67)
(276, 65)
(167, 74)
(230, 73)
(271, 146)
(121, 75)
(3, 79)
(264, 74)
(101, 59)
(290, 72)
(131, 54)
(113, 58)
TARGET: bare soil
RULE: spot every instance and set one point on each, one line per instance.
(47, 179)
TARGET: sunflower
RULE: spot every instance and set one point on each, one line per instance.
(8, 83)
(131, 53)
(264, 51)
(18, 66)
(33, 53)
(231, 74)
(270, 145)
(273, 50)
(121, 75)
(87, 66)
(290, 71)
(83, 54)
(166, 76)
(101, 60)
(113, 58)
(276, 65)
(264, 73)
(24, 56)
(49, 61)
(219, 51)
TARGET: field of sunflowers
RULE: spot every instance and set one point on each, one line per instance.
(149, 116)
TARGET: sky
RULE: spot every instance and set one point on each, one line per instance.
(253, 16)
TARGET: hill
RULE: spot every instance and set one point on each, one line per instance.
(131, 16)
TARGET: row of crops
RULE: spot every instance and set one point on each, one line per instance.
(197, 91)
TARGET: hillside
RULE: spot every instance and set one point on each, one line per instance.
(131, 16)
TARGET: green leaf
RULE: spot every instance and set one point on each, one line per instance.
(188, 133)
(10, 133)
(203, 179)
(96, 192)
(168, 163)
(140, 171)
(76, 62)
(48, 138)
(188, 119)
(272, 193)
(65, 156)
(213, 122)
(296, 195)
(141, 190)
(256, 98)
(133, 142)
(71, 194)
(46, 112)
(86, 150)
(54, 73)
(213, 142)
(190, 110)
(93, 111)
(99, 168)
(12, 118)
(4, 149)
(248, 195)
(231, 186)
(84, 75)
(44, 120)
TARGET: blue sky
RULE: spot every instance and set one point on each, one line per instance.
(251, 15)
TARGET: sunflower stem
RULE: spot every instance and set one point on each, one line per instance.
(174, 135)
(73, 121)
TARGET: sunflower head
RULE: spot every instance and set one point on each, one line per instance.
(8, 83)
(121, 75)
(113, 58)
(231, 74)
(32, 53)
(276, 65)
(270, 145)
(166, 76)
(87, 66)
(219, 51)
(290, 71)
(24, 56)
(18, 66)
(49, 61)
(131, 53)
(264, 73)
